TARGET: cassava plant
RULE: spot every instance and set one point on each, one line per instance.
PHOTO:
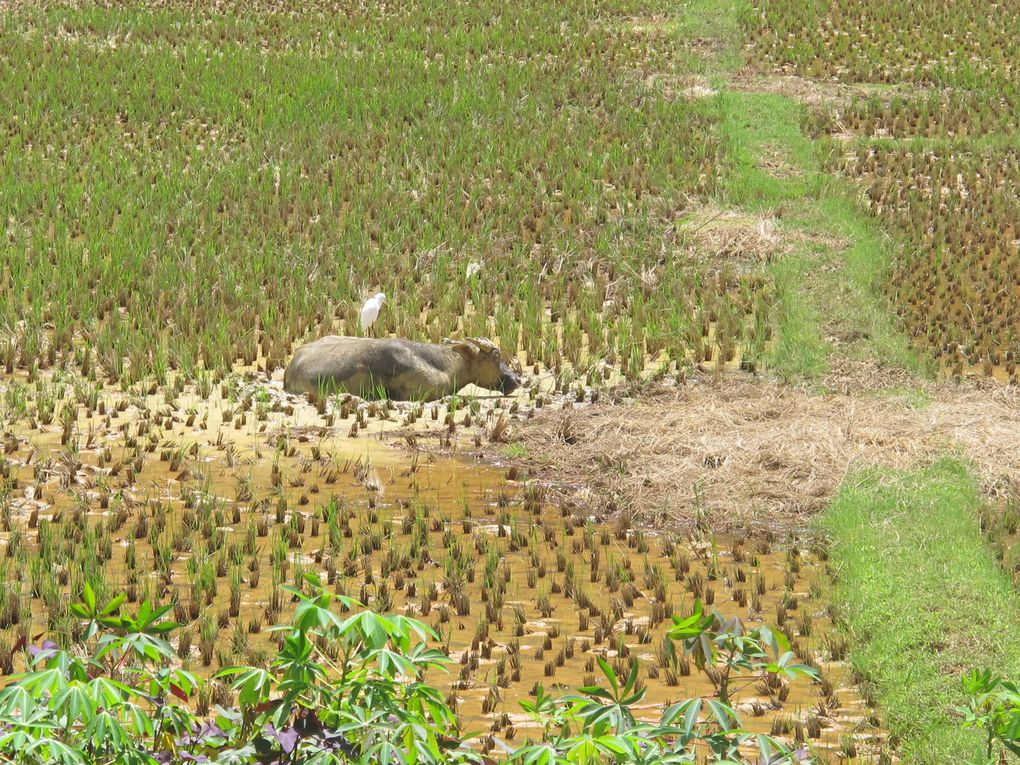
(993, 707)
(739, 657)
(343, 689)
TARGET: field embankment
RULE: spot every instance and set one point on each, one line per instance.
(922, 599)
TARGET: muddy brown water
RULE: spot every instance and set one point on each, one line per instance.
(521, 592)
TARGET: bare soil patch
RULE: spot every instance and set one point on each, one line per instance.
(803, 89)
(747, 454)
(775, 162)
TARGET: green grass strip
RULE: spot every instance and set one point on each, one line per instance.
(829, 285)
(824, 288)
(923, 599)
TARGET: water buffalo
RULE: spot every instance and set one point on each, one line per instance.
(397, 369)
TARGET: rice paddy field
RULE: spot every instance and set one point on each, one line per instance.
(186, 187)
(191, 189)
(928, 135)
(213, 499)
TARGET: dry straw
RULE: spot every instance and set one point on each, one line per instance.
(741, 454)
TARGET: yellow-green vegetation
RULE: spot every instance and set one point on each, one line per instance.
(939, 42)
(187, 186)
(926, 128)
(924, 600)
(959, 217)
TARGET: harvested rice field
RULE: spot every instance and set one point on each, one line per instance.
(709, 312)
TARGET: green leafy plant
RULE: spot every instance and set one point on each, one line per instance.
(369, 704)
(120, 701)
(598, 725)
(345, 688)
(712, 639)
(993, 707)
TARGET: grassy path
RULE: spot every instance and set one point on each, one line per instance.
(922, 598)
(829, 305)
(829, 309)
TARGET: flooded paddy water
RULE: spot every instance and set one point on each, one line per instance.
(214, 495)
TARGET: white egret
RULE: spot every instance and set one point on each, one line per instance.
(370, 311)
